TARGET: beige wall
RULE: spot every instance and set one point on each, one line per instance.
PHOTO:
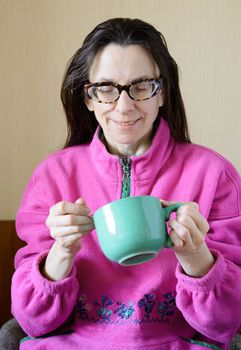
(38, 37)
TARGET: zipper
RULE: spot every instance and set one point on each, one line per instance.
(126, 178)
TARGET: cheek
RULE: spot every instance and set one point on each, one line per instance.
(101, 111)
(152, 109)
(89, 104)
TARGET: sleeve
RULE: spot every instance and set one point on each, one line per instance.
(212, 304)
(39, 305)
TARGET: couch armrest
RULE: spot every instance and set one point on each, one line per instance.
(10, 335)
(236, 343)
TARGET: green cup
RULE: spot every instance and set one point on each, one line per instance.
(133, 230)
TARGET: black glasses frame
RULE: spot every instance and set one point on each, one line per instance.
(126, 88)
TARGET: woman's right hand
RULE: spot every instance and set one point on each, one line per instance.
(68, 223)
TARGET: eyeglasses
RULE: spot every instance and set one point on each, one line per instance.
(107, 92)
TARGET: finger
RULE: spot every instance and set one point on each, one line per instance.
(81, 201)
(176, 240)
(182, 232)
(64, 231)
(68, 220)
(63, 208)
(192, 210)
(196, 235)
(167, 203)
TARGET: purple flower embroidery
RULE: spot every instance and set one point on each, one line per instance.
(167, 308)
(148, 303)
(102, 311)
(124, 311)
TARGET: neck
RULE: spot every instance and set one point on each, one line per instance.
(127, 150)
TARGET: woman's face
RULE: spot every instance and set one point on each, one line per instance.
(126, 123)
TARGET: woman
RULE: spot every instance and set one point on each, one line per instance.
(128, 136)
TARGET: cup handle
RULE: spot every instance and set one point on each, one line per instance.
(168, 211)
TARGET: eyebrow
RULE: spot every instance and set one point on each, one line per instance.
(144, 77)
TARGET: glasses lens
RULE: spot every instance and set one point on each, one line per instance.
(103, 93)
(144, 89)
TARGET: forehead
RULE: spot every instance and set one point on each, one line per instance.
(122, 64)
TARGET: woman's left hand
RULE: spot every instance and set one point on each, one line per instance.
(188, 233)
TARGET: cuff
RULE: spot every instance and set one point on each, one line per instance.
(41, 282)
(213, 278)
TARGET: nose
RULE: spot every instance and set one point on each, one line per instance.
(124, 104)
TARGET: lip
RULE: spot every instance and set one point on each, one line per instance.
(126, 123)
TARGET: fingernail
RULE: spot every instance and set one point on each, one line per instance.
(180, 244)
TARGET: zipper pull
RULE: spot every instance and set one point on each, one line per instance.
(126, 178)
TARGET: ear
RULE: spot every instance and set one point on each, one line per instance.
(89, 104)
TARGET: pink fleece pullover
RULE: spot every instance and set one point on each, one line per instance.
(103, 305)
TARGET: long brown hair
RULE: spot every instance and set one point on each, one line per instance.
(122, 31)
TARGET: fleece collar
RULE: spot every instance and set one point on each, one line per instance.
(142, 166)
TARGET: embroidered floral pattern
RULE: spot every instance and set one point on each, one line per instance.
(146, 310)
(148, 303)
(102, 308)
(167, 307)
(82, 308)
(124, 311)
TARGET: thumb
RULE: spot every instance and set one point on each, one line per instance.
(80, 201)
(166, 203)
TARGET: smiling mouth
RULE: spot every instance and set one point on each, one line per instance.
(126, 123)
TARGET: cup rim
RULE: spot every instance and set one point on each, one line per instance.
(152, 255)
(124, 199)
